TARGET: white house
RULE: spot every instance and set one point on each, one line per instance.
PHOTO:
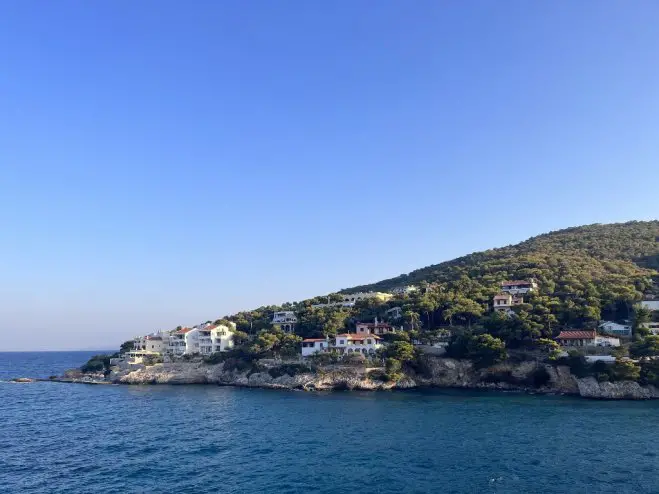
(504, 302)
(519, 287)
(344, 344)
(183, 341)
(613, 328)
(404, 290)
(156, 342)
(577, 338)
(222, 337)
(350, 343)
(284, 320)
(311, 346)
(607, 341)
(652, 305)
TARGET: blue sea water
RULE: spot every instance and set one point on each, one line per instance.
(65, 438)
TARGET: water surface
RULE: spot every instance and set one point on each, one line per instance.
(207, 439)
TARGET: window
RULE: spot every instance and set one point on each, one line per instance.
(368, 342)
(342, 342)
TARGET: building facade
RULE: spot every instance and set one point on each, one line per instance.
(343, 344)
(376, 327)
(577, 338)
(284, 320)
(615, 329)
(519, 287)
(503, 302)
(356, 297)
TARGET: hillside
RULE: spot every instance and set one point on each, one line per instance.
(584, 274)
(574, 256)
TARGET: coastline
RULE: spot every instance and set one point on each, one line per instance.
(441, 373)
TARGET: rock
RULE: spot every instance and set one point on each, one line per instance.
(441, 372)
(22, 380)
(589, 387)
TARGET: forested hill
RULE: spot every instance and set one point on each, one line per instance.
(625, 254)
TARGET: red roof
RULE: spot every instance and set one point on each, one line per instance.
(353, 336)
(516, 282)
(183, 331)
(310, 340)
(502, 296)
(577, 335)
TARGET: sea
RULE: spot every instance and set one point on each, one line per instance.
(75, 438)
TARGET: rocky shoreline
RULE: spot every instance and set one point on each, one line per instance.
(440, 373)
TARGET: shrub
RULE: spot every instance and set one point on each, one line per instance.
(215, 358)
(378, 375)
(98, 363)
(650, 372)
(625, 370)
(393, 368)
(290, 369)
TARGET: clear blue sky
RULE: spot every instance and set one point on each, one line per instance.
(168, 162)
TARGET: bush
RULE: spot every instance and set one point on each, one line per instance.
(98, 363)
(215, 358)
(650, 372)
(393, 368)
(625, 370)
(290, 369)
(378, 375)
(323, 358)
(152, 360)
(237, 364)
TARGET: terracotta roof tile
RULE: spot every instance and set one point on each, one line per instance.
(577, 335)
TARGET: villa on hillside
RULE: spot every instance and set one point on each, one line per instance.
(574, 338)
(615, 329)
(504, 302)
(155, 342)
(404, 290)
(519, 287)
(284, 320)
(375, 327)
(204, 339)
(356, 297)
(311, 346)
(344, 344)
(179, 342)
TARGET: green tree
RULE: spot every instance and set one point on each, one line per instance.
(552, 348)
(647, 347)
(127, 346)
(240, 338)
(485, 349)
(402, 351)
(625, 370)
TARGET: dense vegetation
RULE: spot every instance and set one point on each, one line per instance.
(585, 274)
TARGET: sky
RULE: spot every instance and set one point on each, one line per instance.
(164, 162)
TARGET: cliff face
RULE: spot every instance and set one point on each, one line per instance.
(197, 373)
(440, 372)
